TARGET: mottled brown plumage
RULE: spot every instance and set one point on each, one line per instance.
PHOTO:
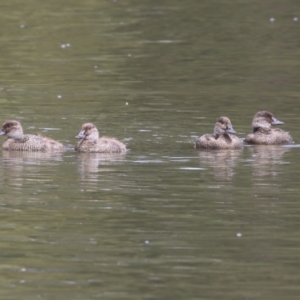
(90, 141)
(18, 141)
(222, 138)
(264, 134)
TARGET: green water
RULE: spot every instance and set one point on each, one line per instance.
(163, 221)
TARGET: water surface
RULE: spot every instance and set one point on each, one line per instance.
(163, 221)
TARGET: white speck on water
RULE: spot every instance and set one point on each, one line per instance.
(65, 45)
(239, 234)
(59, 96)
(295, 19)
(129, 55)
(121, 23)
(22, 26)
(147, 242)
(22, 281)
(95, 67)
(23, 270)
(126, 103)
(272, 19)
(191, 169)
(49, 128)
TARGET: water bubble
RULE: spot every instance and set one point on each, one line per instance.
(295, 19)
(59, 96)
(272, 19)
(147, 242)
(239, 234)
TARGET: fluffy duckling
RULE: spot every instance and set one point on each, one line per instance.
(222, 138)
(17, 140)
(90, 141)
(263, 134)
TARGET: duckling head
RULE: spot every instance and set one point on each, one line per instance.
(223, 126)
(12, 129)
(264, 119)
(88, 132)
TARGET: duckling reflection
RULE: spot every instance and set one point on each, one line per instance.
(91, 164)
(263, 134)
(18, 165)
(221, 162)
(267, 160)
(18, 141)
(33, 157)
(223, 137)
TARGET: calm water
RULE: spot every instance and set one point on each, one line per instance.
(162, 221)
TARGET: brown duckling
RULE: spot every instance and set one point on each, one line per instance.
(222, 138)
(90, 141)
(263, 134)
(17, 140)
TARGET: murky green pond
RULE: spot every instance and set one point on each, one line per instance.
(163, 221)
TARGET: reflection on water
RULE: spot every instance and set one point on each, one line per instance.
(266, 160)
(31, 157)
(91, 165)
(24, 165)
(222, 162)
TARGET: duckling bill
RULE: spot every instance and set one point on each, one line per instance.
(222, 138)
(17, 140)
(90, 141)
(264, 134)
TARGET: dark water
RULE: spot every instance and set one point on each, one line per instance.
(162, 221)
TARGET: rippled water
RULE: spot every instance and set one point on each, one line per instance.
(162, 221)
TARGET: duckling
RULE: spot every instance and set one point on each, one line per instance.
(263, 134)
(90, 141)
(222, 138)
(17, 140)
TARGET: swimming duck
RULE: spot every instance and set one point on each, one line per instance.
(222, 138)
(17, 140)
(263, 134)
(90, 141)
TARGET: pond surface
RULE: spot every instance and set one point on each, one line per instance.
(163, 221)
